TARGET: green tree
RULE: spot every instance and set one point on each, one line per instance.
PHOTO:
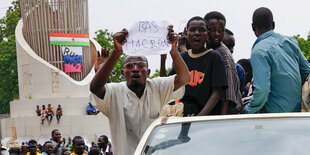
(8, 73)
(157, 73)
(104, 38)
(8, 69)
(304, 45)
(9, 22)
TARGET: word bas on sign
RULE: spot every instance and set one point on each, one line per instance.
(148, 27)
(73, 58)
(147, 38)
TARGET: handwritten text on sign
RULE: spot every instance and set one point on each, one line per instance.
(73, 59)
(147, 38)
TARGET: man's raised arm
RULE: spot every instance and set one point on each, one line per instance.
(102, 75)
(182, 73)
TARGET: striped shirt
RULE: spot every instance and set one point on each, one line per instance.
(232, 93)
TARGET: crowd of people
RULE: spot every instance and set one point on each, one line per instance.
(58, 146)
(48, 113)
(204, 77)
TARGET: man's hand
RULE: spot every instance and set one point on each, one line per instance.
(172, 37)
(60, 141)
(119, 40)
(64, 140)
(182, 41)
(101, 58)
(102, 75)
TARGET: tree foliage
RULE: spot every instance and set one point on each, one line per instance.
(304, 45)
(8, 69)
(104, 38)
(157, 73)
(8, 73)
(9, 22)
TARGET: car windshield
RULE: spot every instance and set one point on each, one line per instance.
(276, 136)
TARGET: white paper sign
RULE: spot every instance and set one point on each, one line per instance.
(147, 38)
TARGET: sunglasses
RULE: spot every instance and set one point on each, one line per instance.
(139, 65)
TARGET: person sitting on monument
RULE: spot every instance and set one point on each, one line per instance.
(43, 114)
(58, 113)
(91, 110)
(38, 111)
(49, 113)
(120, 101)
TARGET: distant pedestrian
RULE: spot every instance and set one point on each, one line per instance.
(49, 113)
(94, 151)
(38, 110)
(48, 148)
(33, 148)
(43, 114)
(58, 113)
(104, 145)
(78, 146)
(58, 142)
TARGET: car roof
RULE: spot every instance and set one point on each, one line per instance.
(176, 120)
(173, 119)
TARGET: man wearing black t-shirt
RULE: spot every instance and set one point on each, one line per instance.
(208, 76)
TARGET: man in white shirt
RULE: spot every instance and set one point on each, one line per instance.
(131, 106)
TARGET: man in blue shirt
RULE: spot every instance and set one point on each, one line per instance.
(279, 68)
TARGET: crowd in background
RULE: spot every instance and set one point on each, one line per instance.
(58, 146)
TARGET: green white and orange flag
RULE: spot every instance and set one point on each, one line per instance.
(69, 39)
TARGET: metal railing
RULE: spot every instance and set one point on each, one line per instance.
(41, 17)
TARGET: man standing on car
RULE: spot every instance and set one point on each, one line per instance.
(133, 105)
(279, 68)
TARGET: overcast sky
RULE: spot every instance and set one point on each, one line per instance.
(291, 17)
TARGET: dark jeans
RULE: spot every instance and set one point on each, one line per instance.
(51, 117)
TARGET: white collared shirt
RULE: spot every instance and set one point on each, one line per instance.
(129, 115)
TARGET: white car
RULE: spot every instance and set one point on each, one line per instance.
(246, 134)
